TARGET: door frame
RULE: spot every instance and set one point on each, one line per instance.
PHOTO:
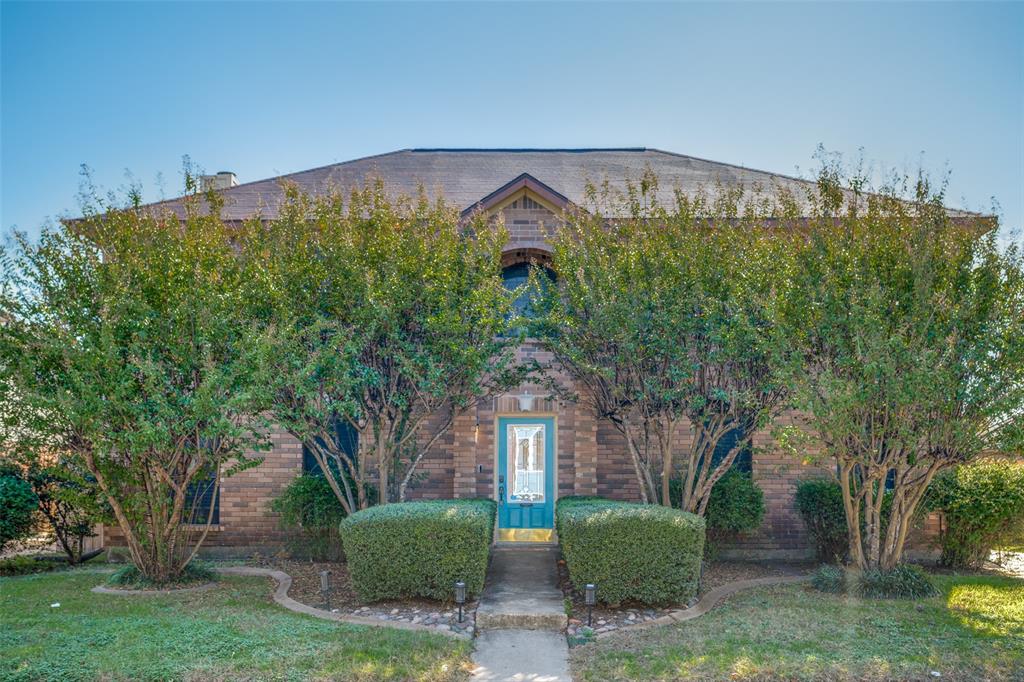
(525, 534)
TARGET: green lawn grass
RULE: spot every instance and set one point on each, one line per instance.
(232, 632)
(974, 631)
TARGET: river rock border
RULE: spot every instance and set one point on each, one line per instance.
(284, 582)
(706, 603)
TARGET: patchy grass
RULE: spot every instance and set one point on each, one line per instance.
(233, 632)
(974, 630)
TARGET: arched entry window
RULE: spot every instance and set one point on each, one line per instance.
(516, 277)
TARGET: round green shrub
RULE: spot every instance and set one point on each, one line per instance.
(983, 507)
(631, 552)
(309, 505)
(18, 506)
(819, 502)
(906, 581)
(830, 579)
(736, 505)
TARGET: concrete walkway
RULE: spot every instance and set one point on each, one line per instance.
(521, 618)
(521, 656)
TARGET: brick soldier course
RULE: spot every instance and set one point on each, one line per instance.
(525, 190)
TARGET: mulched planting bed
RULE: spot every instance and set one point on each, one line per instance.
(607, 619)
(306, 589)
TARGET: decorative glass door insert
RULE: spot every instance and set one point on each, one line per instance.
(526, 448)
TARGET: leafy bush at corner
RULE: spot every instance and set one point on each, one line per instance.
(736, 506)
(23, 565)
(130, 577)
(310, 505)
(906, 581)
(17, 506)
(828, 578)
(419, 549)
(646, 553)
(983, 505)
(820, 504)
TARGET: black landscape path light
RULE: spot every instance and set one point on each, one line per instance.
(590, 598)
(325, 587)
(460, 596)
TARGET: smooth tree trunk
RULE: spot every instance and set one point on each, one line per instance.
(158, 536)
(880, 545)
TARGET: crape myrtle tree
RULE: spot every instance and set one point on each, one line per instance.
(123, 343)
(663, 315)
(384, 313)
(913, 326)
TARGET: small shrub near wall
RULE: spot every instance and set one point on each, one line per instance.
(736, 506)
(819, 502)
(631, 552)
(309, 508)
(17, 506)
(983, 508)
(419, 549)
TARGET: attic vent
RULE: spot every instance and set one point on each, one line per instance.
(527, 203)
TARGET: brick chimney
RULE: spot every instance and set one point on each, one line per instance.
(222, 180)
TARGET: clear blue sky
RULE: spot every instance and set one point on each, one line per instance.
(263, 89)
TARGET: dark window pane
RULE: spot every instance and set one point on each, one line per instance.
(202, 494)
(345, 437)
(743, 461)
(516, 276)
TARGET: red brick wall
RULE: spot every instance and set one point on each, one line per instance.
(246, 521)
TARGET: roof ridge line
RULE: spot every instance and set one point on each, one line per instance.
(517, 150)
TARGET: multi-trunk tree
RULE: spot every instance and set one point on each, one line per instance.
(122, 344)
(385, 314)
(664, 316)
(912, 324)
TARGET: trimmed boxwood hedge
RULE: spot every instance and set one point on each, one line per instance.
(631, 552)
(418, 549)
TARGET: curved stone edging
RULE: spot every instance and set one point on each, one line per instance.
(706, 603)
(284, 583)
(103, 589)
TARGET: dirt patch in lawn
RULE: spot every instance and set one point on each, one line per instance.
(343, 598)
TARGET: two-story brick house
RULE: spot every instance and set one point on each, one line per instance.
(522, 446)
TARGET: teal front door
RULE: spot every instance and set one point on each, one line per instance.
(526, 477)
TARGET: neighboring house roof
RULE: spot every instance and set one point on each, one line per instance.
(469, 177)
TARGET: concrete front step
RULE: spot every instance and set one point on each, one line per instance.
(522, 614)
(522, 590)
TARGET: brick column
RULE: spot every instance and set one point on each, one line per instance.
(585, 447)
(464, 455)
